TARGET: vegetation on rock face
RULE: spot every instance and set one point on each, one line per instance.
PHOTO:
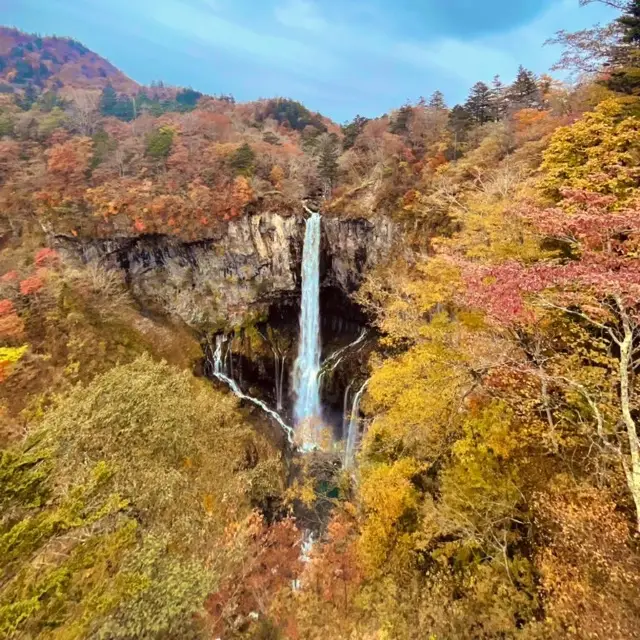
(497, 490)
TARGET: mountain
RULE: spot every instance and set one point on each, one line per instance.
(53, 62)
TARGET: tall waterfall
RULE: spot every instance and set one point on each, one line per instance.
(307, 409)
(354, 425)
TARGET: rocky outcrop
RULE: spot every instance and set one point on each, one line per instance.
(232, 279)
(353, 247)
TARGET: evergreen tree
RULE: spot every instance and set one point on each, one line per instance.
(108, 101)
(478, 104)
(436, 101)
(243, 160)
(460, 122)
(28, 98)
(124, 108)
(498, 99)
(352, 130)
(524, 92)
(159, 143)
(625, 62)
(400, 122)
(188, 98)
(328, 153)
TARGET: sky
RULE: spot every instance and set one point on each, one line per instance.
(339, 57)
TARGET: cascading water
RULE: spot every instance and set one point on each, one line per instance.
(307, 409)
(354, 425)
(332, 362)
(220, 361)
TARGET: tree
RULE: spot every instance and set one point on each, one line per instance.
(586, 51)
(479, 103)
(351, 131)
(524, 92)
(126, 512)
(600, 287)
(188, 98)
(328, 152)
(498, 99)
(108, 101)
(436, 101)
(84, 110)
(28, 98)
(595, 154)
(625, 61)
(242, 161)
(159, 143)
(460, 122)
(400, 119)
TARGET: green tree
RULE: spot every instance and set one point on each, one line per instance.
(188, 98)
(159, 143)
(28, 97)
(108, 101)
(524, 92)
(108, 512)
(625, 60)
(498, 99)
(479, 103)
(328, 153)
(351, 131)
(242, 161)
(400, 120)
(436, 101)
(460, 122)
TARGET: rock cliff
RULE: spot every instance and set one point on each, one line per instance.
(230, 279)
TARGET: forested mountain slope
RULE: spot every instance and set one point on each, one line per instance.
(484, 258)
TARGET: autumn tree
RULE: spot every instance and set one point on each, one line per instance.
(598, 286)
(84, 111)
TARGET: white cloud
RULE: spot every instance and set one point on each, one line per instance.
(468, 61)
(300, 14)
(216, 31)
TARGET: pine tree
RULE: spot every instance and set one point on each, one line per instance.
(400, 121)
(328, 160)
(498, 99)
(108, 101)
(243, 160)
(352, 130)
(625, 77)
(478, 103)
(29, 97)
(436, 101)
(460, 122)
(524, 92)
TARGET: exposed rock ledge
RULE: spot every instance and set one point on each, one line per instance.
(225, 280)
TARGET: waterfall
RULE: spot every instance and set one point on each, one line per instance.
(332, 362)
(307, 408)
(345, 415)
(354, 424)
(219, 372)
(279, 378)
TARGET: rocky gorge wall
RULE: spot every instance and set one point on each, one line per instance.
(228, 280)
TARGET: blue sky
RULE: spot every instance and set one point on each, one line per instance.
(340, 57)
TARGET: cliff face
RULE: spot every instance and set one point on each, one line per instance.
(227, 280)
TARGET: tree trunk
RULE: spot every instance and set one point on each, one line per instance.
(632, 471)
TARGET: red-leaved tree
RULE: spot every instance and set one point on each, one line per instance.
(595, 280)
